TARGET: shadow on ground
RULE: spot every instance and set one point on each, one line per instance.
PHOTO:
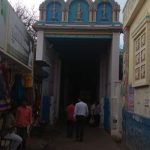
(53, 138)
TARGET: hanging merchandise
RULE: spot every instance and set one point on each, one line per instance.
(28, 80)
(17, 92)
(2, 83)
(4, 87)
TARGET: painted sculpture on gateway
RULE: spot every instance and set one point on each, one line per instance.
(104, 11)
(80, 11)
(54, 12)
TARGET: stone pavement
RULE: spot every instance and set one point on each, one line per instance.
(95, 139)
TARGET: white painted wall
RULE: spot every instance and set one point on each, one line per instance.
(40, 45)
(115, 86)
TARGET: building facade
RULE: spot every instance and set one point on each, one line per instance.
(79, 42)
(16, 48)
(137, 73)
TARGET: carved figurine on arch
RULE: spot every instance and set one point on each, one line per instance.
(79, 12)
(104, 14)
(53, 11)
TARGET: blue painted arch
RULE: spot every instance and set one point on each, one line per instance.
(104, 12)
(54, 12)
(74, 8)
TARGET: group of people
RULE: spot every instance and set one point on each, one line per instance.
(78, 115)
(94, 117)
(15, 125)
(16, 122)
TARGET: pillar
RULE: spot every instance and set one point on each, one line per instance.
(114, 17)
(101, 80)
(57, 77)
(126, 65)
(63, 15)
(114, 62)
(114, 80)
(90, 16)
(94, 15)
(66, 15)
(40, 45)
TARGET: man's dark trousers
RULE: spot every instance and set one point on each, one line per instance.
(80, 124)
(70, 128)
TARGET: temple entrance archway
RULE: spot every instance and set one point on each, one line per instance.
(79, 40)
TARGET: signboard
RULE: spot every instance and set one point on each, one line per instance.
(3, 23)
(19, 41)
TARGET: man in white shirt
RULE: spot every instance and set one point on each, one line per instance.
(80, 114)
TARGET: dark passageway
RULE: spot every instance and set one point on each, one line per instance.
(80, 67)
(80, 78)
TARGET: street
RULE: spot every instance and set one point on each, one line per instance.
(94, 139)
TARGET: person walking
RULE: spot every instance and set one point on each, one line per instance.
(80, 115)
(91, 116)
(23, 121)
(70, 119)
(97, 114)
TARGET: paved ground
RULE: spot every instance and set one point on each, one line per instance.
(55, 139)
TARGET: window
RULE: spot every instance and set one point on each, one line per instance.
(140, 48)
(141, 63)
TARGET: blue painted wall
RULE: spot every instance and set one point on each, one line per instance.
(54, 12)
(84, 11)
(45, 109)
(104, 13)
(136, 131)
